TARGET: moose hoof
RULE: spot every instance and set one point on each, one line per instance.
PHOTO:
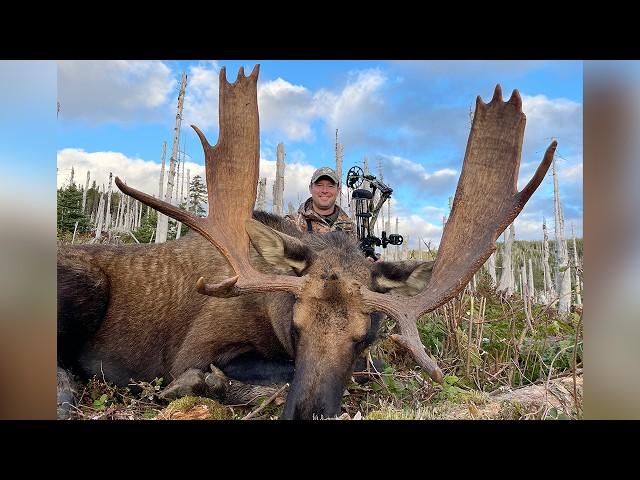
(191, 382)
(216, 382)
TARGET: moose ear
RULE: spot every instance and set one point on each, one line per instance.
(280, 250)
(404, 278)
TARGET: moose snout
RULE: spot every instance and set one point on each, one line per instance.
(304, 402)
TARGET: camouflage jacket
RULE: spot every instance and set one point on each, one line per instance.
(307, 216)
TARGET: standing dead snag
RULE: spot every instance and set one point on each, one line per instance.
(562, 270)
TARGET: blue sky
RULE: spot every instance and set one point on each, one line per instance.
(410, 116)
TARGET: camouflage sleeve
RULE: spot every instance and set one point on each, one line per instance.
(294, 220)
(346, 226)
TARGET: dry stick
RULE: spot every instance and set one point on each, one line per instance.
(559, 375)
(546, 387)
(483, 304)
(134, 237)
(469, 335)
(265, 403)
(74, 233)
(575, 359)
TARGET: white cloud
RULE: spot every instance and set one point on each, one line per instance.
(414, 227)
(291, 109)
(571, 174)
(201, 96)
(286, 108)
(547, 118)
(408, 172)
(113, 90)
(140, 174)
(354, 109)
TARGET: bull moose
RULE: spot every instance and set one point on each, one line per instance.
(262, 301)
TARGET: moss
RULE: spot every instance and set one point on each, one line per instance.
(511, 410)
(198, 408)
(388, 412)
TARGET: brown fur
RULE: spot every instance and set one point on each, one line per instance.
(157, 325)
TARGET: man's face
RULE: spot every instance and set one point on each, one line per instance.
(324, 193)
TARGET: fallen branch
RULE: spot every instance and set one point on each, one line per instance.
(265, 403)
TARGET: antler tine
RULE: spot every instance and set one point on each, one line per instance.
(232, 168)
(485, 203)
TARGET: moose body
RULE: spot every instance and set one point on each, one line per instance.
(132, 312)
(147, 320)
(275, 302)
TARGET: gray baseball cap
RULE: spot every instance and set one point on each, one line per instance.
(325, 172)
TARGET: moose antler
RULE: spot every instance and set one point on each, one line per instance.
(485, 203)
(232, 175)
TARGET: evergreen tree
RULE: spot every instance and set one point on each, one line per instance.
(147, 226)
(197, 196)
(70, 210)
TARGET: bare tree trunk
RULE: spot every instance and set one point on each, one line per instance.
(187, 199)
(530, 281)
(75, 229)
(526, 294)
(100, 217)
(127, 214)
(107, 221)
(278, 185)
(119, 212)
(262, 194)
(134, 220)
(577, 265)
(549, 289)
(84, 194)
(161, 187)
(491, 268)
(178, 162)
(563, 272)
(291, 209)
(163, 221)
(506, 284)
(140, 208)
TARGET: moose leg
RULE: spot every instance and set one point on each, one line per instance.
(217, 385)
(190, 382)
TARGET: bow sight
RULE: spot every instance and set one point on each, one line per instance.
(367, 209)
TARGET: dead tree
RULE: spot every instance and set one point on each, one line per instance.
(84, 193)
(562, 270)
(262, 194)
(506, 284)
(163, 220)
(278, 185)
(577, 267)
